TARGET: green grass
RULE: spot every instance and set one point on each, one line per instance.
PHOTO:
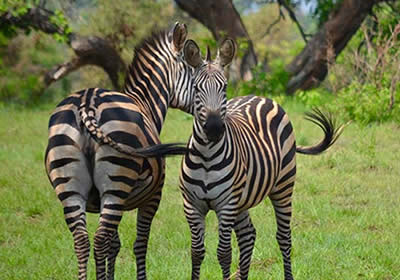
(346, 217)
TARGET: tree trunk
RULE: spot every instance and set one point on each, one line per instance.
(310, 67)
(222, 19)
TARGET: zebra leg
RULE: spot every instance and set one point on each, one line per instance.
(75, 216)
(226, 220)
(196, 223)
(246, 236)
(112, 255)
(283, 214)
(144, 219)
(110, 217)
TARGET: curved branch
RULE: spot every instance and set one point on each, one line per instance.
(89, 50)
(292, 15)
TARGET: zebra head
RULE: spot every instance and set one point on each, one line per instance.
(209, 84)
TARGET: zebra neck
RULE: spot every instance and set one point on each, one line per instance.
(151, 99)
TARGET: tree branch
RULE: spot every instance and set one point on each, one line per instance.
(89, 50)
(292, 15)
(275, 22)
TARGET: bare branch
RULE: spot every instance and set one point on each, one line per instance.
(89, 50)
(275, 22)
(284, 4)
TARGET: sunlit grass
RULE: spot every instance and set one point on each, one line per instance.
(346, 220)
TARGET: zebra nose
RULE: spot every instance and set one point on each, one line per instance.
(214, 127)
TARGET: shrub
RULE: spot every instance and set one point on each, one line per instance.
(365, 103)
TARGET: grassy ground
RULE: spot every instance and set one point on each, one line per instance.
(346, 220)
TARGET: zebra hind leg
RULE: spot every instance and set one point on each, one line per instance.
(110, 217)
(246, 236)
(75, 216)
(226, 220)
(196, 223)
(283, 214)
(112, 255)
(144, 219)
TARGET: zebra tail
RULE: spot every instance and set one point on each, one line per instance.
(157, 150)
(331, 132)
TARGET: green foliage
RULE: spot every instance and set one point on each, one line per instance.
(366, 76)
(269, 84)
(18, 8)
(24, 60)
(365, 103)
(126, 23)
(314, 97)
(322, 8)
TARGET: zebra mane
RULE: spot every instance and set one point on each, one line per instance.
(156, 38)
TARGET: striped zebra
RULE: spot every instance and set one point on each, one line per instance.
(241, 151)
(104, 153)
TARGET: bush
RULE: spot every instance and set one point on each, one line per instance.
(365, 103)
(269, 84)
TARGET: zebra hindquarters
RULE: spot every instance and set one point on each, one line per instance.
(69, 175)
(115, 177)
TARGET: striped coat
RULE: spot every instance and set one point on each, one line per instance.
(104, 153)
(241, 151)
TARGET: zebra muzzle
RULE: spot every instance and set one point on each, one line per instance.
(214, 127)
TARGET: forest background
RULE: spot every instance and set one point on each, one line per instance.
(340, 55)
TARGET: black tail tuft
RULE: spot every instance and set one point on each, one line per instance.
(330, 128)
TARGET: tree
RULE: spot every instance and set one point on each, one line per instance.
(222, 19)
(89, 50)
(310, 67)
(338, 22)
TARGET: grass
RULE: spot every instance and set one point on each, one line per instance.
(346, 220)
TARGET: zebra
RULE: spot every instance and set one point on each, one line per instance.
(240, 152)
(104, 153)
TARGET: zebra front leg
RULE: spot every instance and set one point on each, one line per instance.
(226, 220)
(283, 213)
(110, 217)
(144, 219)
(246, 236)
(196, 223)
(75, 216)
(112, 255)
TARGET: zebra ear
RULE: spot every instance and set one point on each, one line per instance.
(226, 52)
(192, 53)
(179, 34)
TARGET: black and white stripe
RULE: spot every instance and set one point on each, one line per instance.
(104, 153)
(237, 158)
